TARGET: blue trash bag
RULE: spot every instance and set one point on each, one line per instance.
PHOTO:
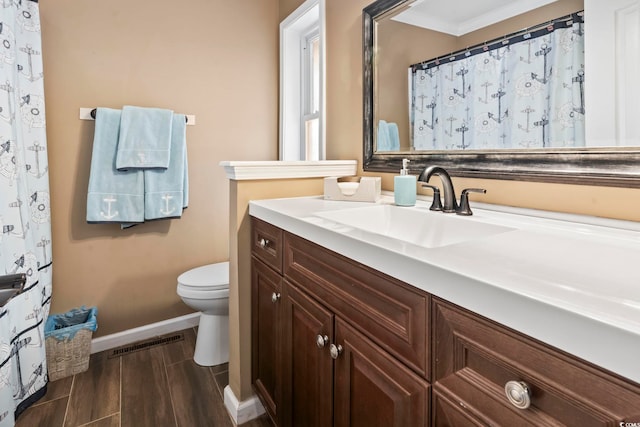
(66, 325)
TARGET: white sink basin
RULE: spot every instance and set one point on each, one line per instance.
(418, 226)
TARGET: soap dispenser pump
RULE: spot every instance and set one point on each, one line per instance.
(404, 186)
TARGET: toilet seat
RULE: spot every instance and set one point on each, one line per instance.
(210, 277)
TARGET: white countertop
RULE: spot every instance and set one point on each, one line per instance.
(572, 282)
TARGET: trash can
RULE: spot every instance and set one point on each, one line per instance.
(68, 341)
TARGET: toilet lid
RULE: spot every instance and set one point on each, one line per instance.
(207, 277)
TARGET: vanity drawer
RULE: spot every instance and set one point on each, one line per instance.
(266, 243)
(389, 312)
(474, 358)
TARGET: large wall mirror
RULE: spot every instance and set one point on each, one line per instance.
(596, 108)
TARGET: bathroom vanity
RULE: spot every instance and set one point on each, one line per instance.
(370, 314)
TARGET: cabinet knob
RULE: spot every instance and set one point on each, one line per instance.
(518, 393)
(322, 340)
(275, 297)
(335, 351)
(264, 243)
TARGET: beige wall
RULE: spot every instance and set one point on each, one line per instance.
(240, 269)
(398, 46)
(286, 7)
(216, 59)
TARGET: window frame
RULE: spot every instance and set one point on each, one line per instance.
(295, 30)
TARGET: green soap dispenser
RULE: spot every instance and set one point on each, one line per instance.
(404, 186)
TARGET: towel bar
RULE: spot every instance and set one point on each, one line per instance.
(90, 114)
(93, 115)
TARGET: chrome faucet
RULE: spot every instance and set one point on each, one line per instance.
(450, 202)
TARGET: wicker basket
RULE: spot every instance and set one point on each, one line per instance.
(68, 357)
(68, 342)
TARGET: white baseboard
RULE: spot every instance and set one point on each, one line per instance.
(143, 332)
(244, 411)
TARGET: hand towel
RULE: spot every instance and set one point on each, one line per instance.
(166, 190)
(113, 196)
(382, 144)
(394, 137)
(145, 138)
(388, 136)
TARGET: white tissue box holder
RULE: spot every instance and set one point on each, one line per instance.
(355, 189)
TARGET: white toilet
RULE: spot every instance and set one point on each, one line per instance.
(206, 289)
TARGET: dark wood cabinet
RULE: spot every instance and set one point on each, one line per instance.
(266, 315)
(476, 360)
(334, 375)
(350, 348)
(266, 290)
(391, 313)
(372, 388)
(307, 368)
(266, 243)
(337, 343)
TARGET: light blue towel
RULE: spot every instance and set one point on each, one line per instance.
(394, 136)
(145, 138)
(113, 196)
(166, 191)
(388, 136)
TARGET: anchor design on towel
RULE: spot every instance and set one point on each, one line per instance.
(109, 215)
(167, 198)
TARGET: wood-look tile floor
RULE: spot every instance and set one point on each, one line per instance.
(159, 386)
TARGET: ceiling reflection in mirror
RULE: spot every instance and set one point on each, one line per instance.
(523, 89)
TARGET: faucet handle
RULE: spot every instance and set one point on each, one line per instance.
(436, 204)
(464, 208)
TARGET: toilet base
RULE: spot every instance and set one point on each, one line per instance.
(212, 342)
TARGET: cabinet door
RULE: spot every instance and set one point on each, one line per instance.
(393, 314)
(266, 316)
(307, 366)
(372, 388)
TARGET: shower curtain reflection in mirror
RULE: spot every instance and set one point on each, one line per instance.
(524, 93)
(25, 241)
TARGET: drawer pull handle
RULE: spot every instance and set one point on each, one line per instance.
(518, 393)
(335, 351)
(322, 340)
(275, 297)
(264, 243)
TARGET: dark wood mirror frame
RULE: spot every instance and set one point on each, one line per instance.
(617, 167)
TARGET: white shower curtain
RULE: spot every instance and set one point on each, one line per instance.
(525, 94)
(25, 238)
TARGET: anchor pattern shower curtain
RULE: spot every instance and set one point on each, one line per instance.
(528, 93)
(25, 239)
